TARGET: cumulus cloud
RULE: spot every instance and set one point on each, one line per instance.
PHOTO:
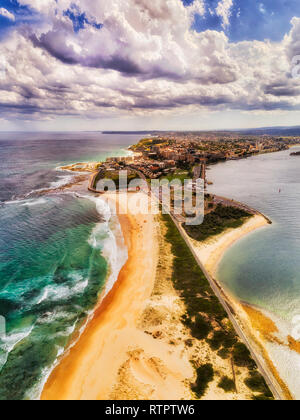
(5, 13)
(197, 7)
(135, 57)
(224, 11)
(137, 37)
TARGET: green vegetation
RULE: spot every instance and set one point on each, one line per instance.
(200, 328)
(257, 384)
(190, 282)
(262, 398)
(227, 384)
(205, 375)
(205, 316)
(218, 221)
(115, 177)
(178, 174)
(223, 353)
(224, 338)
(147, 143)
(242, 356)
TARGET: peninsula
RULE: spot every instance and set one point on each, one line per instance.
(182, 336)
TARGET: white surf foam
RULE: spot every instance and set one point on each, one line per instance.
(33, 202)
(10, 341)
(108, 238)
(62, 181)
(56, 293)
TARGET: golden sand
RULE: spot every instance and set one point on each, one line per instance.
(211, 251)
(263, 324)
(135, 346)
(89, 369)
(266, 330)
(293, 344)
(117, 357)
(257, 326)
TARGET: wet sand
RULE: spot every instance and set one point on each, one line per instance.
(89, 370)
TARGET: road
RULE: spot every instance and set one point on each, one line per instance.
(264, 370)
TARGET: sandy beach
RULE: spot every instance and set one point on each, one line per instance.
(211, 251)
(135, 346)
(116, 357)
(257, 326)
(89, 369)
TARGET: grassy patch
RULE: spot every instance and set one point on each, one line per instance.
(180, 175)
(257, 384)
(204, 313)
(227, 384)
(115, 177)
(147, 143)
(223, 338)
(218, 221)
(205, 375)
(242, 356)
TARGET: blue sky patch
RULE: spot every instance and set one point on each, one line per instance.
(22, 14)
(250, 19)
(79, 19)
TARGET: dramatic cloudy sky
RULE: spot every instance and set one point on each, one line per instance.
(145, 64)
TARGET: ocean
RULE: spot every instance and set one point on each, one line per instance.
(58, 252)
(263, 269)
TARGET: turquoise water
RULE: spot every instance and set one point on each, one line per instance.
(264, 268)
(55, 252)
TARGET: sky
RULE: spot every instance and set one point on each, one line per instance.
(145, 65)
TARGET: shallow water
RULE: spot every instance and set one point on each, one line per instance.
(55, 252)
(264, 268)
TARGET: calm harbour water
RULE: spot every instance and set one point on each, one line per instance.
(55, 251)
(264, 268)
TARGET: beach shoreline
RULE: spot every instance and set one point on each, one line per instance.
(119, 340)
(210, 253)
(104, 341)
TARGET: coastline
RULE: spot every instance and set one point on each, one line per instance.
(257, 327)
(135, 349)
(61, 386)
(91, 369)
(88, 371)
(212, 251)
